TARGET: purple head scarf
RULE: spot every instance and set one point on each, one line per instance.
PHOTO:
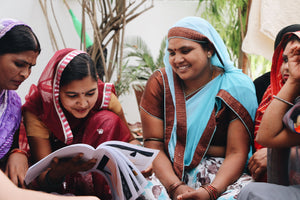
(10, 102)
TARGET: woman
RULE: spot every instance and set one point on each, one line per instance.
(199, 113)
(70, 105)
(19, 49)
(272, 132)
(258, 162)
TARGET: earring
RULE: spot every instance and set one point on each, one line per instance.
(208, 55)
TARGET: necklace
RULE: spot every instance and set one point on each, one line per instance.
(198, 89)
(195, 91)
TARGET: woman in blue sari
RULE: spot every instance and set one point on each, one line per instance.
(198, 111)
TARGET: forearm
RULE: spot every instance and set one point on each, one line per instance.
(230, 170)
(162, 166)
(272, 131)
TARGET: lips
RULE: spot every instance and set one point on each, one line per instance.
(17, 82)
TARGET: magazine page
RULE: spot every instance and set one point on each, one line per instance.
(107, 166)
(65, 152)
(141, 157)
(131, 186)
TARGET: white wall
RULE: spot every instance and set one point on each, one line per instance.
(152, 26)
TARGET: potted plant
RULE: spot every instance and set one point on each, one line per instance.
(139, 65)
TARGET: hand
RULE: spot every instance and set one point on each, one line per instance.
(148, 172)
(258, 163)
(181, 190)
(16, 168)
(194, 195)
(293, 54)
(64, 166)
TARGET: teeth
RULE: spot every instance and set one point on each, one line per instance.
(183, 67)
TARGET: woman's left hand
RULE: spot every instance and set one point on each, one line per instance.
(16, 168)
(147, 172)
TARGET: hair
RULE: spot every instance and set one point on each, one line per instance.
(283, 31)
(20, 38)
(80, 66)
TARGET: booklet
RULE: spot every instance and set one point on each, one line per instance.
(119, 162)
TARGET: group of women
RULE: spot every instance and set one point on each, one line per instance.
(198, 111)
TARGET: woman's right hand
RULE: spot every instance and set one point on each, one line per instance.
(181, 190)
(65, 166)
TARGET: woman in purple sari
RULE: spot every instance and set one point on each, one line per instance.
(19, 49)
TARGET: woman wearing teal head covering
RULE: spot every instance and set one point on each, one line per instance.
(199, 112)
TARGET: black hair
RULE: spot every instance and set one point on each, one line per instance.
(20, 38)
(283, 31)
(79, 67)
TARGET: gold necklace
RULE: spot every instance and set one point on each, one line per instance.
(198, 89)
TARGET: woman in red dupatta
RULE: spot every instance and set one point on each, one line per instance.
(279, 74)
(56, 114)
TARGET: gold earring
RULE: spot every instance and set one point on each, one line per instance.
(208, 55)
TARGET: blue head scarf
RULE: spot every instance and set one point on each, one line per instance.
(200, 106)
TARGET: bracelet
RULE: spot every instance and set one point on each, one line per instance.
(282, 100)
(212, 191)
(154, 139)
(171, 189)
(19, 151)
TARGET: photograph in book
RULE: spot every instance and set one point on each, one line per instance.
(120, 163)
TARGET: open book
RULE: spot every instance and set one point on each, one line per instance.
(120, 163)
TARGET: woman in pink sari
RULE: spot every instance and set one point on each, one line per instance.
(71, 105)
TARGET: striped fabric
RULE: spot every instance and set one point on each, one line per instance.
(61, 66)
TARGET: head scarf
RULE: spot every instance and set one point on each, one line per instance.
(200, 106)
(43, 99)
(276, 81)
(10, 102)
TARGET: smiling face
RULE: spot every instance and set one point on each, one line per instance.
(15, 68)
(188, 59)
(79, 96)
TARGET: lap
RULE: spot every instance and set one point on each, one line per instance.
(266, 191)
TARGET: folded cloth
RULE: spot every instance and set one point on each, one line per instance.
(292, 118)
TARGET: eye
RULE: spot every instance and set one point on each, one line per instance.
(72, 96)
(186, 51)
(171, 53)
(285, 59)
(20, 64)
(90, 94)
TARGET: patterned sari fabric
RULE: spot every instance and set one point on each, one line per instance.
(10, 117)
(186, 139)
(99, 126)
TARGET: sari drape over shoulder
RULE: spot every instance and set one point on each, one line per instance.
(10, 118)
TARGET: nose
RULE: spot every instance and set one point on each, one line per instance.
(82, 102)
(25, 72)
(178, 58)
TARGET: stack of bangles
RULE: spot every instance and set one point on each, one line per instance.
(171, 189)
(212, 191)
(19, 151)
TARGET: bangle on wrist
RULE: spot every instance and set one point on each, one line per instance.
(19, 151)
(171, 189)
(282, 100)
(212, 191)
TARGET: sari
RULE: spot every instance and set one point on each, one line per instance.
(191, 124)
(98, 126)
